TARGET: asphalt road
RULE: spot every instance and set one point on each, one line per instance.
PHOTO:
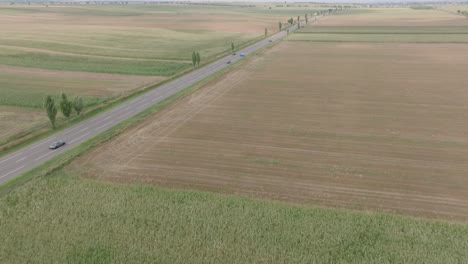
(33, 155)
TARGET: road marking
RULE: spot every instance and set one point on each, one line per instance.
(141, 107)
(125, 114)
(3, 176)
(75, 131)
(11, 157)
(103, 125)
(78, 138)
(107, 117)
(20, 159)
(117, 108)
(50, 152)
(68, 131)
(138, 100)
(40, 142)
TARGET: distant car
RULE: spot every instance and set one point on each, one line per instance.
(270, 40)
(233, 53)
(242, 55)
(228, 62)
(57, 144)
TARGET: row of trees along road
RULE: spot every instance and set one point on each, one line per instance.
(196, 55)
(66, 107)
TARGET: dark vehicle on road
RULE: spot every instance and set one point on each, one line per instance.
(233, 53)
(270, 40)
(228, 62)
(56, 144)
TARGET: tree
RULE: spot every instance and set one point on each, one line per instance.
(78, 105)
(232, 46)
(306, 18)
(51, 110)
(280, 26)
(194, 59)
(266, 32)
(66, 106)
(198, 58)
(298, 17)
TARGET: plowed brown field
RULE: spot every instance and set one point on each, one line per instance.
(356, 125)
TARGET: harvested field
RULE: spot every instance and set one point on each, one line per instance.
(13, 120)
(398, 34)
(27, 87)
(395, 17)
(388, 25)
(151, 32)
(365, 126)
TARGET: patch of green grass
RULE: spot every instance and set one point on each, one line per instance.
(95, 222)
(89, 64)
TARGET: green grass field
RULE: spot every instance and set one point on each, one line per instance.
(65, 219)
(90, 64)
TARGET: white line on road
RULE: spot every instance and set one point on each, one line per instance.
(11, 157)
(40, 142)
(139, 99)
(141, 107)
(68, 131)
(83, 129)
(107, 117)
(50, 152)
(79, 138)
(3, 176)
(155, 99)
(103, 125)
(20, 159)
(115, 109)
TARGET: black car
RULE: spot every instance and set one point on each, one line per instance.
(270, 40)
(228, 62)
(233, 53)
(57, 144)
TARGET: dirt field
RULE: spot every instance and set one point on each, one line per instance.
(81, 83)
(323, 124)
(15, 119)
(395, 17)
